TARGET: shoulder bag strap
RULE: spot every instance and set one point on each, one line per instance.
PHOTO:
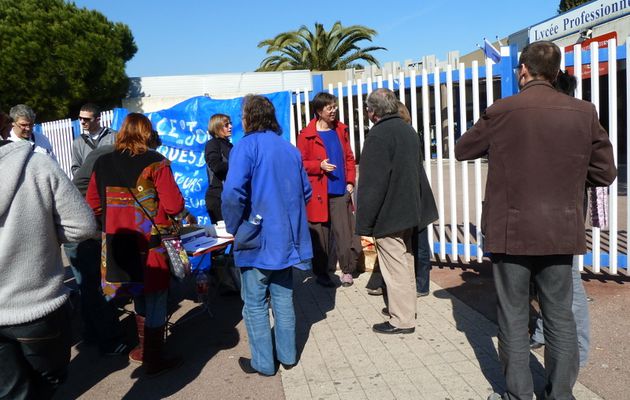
(88, 142)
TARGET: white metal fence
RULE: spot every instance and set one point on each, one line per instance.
(444, 102)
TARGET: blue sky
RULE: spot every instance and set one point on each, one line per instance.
(209, 36)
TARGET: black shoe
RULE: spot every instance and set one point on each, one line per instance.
(325, 281)
(533, 345)
(288, 366)
(385, 312)
(389, 329)
(246, 366)
(375, 292)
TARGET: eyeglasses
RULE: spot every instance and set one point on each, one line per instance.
(331, 108)
(24, 126)
(84, 119)
(227, 124)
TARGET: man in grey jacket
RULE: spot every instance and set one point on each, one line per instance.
(93, 135)
(39, 209)
(100, 322)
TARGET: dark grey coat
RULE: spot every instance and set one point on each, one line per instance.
(393, 191)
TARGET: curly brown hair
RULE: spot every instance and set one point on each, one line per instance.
(259, 115)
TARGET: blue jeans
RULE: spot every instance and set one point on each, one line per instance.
(254, 285)
(99, 316)
(35, 356)
(580, 314)
(422, 260)
(153, 307)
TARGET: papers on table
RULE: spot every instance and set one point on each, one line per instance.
(198, 241)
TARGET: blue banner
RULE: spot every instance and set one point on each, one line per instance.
(183, 129)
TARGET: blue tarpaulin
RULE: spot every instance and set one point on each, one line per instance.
(183, 130)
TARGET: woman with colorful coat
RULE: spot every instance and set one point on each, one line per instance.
(133, 193)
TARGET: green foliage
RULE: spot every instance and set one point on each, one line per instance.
(319, 50)
(55, 56)
(566, 5)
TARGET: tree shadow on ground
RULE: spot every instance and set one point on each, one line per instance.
(475, 290)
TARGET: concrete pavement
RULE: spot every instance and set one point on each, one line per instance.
(450, 356)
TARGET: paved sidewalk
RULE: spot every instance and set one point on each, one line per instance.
(450, 356)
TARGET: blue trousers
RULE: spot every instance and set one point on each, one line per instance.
(35, 355)
(422, 259)
(254, 286)
(580, 314)
(153, 307)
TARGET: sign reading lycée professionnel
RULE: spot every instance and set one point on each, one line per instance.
(583, 17)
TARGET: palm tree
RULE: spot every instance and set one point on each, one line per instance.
(319, 50)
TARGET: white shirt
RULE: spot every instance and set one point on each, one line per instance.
(40, 143)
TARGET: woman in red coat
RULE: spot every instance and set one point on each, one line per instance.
(132, 192)
(329, 163)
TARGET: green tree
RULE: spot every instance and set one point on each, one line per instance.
(566, 5)
(319, 50)
(55, 56)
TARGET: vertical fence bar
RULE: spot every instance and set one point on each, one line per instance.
(342, 114)
(440, 161)
(401, 86)
(298, 108)
(426, 128)
(465, 194)
(595, 100)
(390, 82)
(370, 87)
(292, 124)
(451, 160)
(307, 107)
(360, 108)
(414, 99)
(331, 89)
(577, 72)
(351, 118)
(379, 82)
(612, 133)
(627, 153)
(476, 114)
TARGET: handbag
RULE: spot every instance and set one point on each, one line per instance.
(178, 260)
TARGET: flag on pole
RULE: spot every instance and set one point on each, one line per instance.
(490, 51)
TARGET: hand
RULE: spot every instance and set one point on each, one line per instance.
(350, 188)
(326, 166)
(191, 219)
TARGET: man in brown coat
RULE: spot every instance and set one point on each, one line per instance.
(543, 147)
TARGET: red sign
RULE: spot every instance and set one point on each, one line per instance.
(602, 40)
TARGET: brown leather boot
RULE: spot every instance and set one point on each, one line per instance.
(154, 362)
(136, 355)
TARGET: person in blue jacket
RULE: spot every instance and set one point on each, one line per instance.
(264, 207)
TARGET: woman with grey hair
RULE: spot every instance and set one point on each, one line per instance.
(23, 118)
